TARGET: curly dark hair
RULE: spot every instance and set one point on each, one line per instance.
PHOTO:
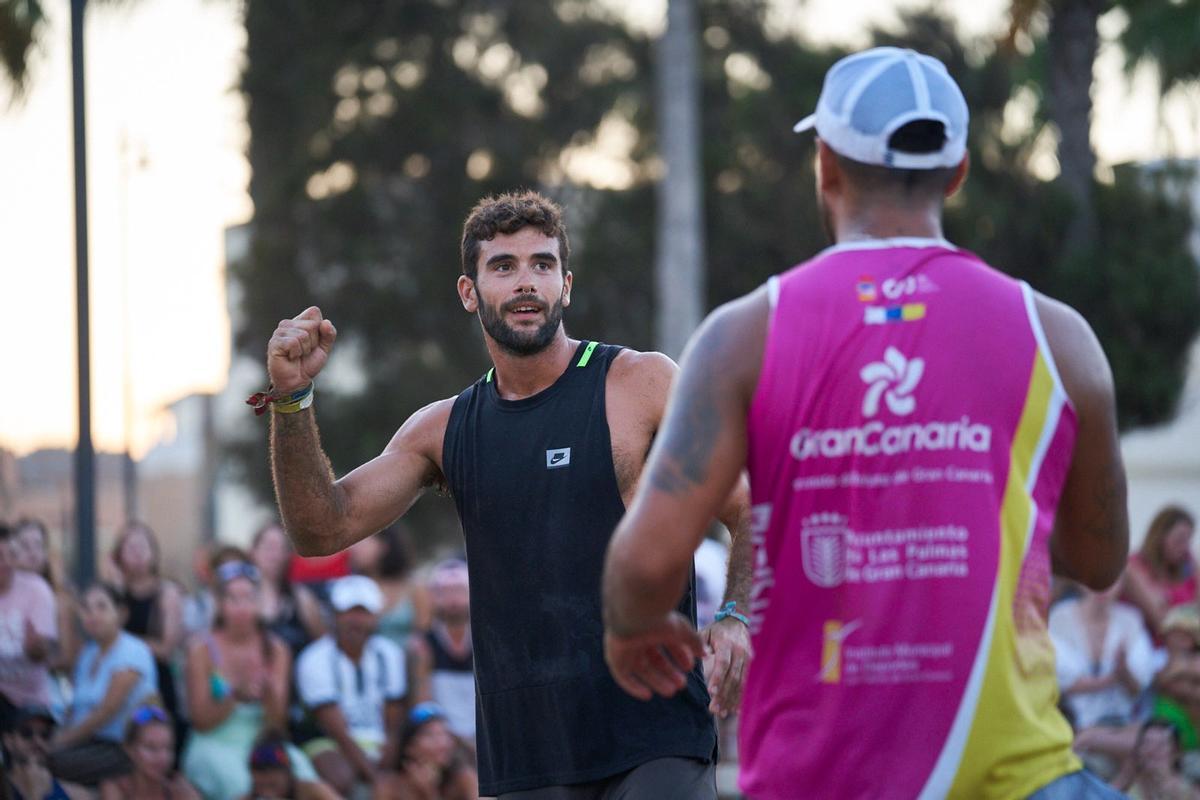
(509, 213)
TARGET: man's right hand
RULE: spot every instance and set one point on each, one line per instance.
(298, 350)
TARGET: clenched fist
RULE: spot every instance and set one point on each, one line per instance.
(298, 350)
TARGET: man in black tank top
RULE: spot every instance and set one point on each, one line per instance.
(541, 455)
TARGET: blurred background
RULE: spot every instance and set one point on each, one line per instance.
(248, 159)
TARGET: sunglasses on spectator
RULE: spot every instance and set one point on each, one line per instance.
(232, 570)
(423, 712)
(148, 714)
(39, 732)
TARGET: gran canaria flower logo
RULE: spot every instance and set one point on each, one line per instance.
(893, 380)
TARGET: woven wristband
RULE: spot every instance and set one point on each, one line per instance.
(282, 403)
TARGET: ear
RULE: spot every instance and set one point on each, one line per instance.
(829, 174)
(960, 176)
(466, 294)
(568, 279)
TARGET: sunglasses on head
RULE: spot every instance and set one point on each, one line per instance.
(423, 712)
(237, 569)
(148, 714)
(266, 756)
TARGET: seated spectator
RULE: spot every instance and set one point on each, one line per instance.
(387, 559)
(155, 606)
(114, 674)
(291, 611)
(34, 555)
(150, 745)
(1153, 771)
(429, 768)
(237, 681)
(353, 683)
(1162, 574)
(1177, 685)
(25, 736)
(272, 776)
(28, 632)
(1105, 662)
(443, 663)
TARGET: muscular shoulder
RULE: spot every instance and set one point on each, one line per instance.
(729, 344)
(1077, 352)
(424, 430)
(642, 378)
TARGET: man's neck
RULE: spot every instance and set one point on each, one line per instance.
(882, 221)
(456, 631)
(354, 653)
(518, 377)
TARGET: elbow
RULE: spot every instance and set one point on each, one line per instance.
(315, 541)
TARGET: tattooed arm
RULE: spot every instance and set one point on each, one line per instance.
(696, 460)
(1091, 538)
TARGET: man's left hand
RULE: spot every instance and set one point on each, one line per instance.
(655, 661)
(727, 652)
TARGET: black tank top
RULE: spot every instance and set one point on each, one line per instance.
(537, 494)
(443, 659)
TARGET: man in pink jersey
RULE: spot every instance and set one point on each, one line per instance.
(926, 440)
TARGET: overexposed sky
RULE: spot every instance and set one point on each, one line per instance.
(162, 75)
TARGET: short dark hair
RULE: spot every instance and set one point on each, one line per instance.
(509, 213)
(112, 592)
(917, 137)
(397, 559)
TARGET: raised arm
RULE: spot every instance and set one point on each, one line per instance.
(1090, 543)
(324, 515)
(693, 468)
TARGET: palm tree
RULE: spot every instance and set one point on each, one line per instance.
(1161, 33)
(21, 23)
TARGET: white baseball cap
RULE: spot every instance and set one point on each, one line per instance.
(870, 95)
(356, 591)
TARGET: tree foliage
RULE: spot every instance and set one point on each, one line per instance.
(371, 124)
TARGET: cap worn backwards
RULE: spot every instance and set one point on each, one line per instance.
(869, 96)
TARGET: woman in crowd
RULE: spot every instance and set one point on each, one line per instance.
(237, 678)
(150, 745)
(272, 776)
(1105, 662)
(429, 767)
(34, 555)
(290, 611)
(114, 674)
(155, 606)
(1162, 574)
(387, 558)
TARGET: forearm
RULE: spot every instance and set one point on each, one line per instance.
(310, 502)
(640, 588)
(739, 574)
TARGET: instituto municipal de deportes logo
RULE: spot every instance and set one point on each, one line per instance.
(893, 379)
(836, 632)
(823, 549)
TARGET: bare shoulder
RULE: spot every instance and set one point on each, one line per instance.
(731, 341)
(645, 374)
(1077, 352)
(424, 431)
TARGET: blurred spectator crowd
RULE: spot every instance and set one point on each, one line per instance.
(277, 676)
(351, 676)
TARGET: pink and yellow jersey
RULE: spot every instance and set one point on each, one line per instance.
(908, 442)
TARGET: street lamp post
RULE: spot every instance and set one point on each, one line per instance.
(85, 458)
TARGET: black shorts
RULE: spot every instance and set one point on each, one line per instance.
(660, 779)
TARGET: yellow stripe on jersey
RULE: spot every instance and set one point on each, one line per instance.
(1018, 741)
